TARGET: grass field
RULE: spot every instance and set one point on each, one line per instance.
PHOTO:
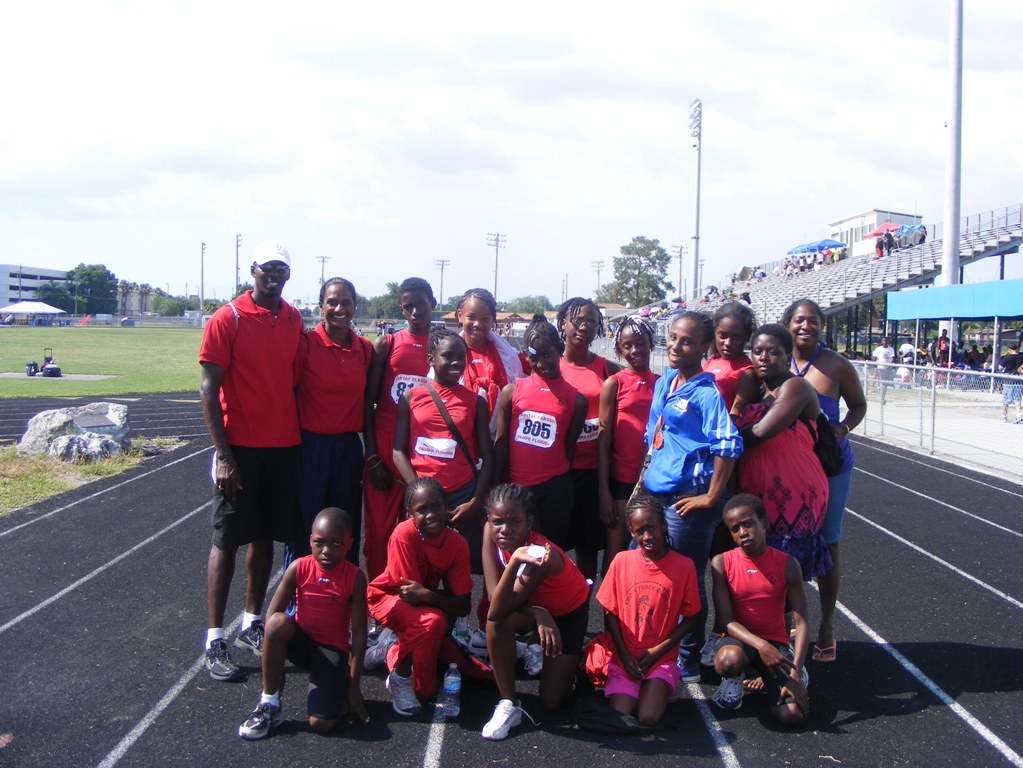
(136, 360)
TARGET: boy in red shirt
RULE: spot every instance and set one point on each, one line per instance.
(330, 598)
(751, 585)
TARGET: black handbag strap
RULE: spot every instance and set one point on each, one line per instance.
(451, 425)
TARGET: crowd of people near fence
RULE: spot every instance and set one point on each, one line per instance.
(394, 471)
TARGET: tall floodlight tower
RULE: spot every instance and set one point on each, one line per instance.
(696, 130)
(953, 163)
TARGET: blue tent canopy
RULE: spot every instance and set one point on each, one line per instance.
(814, 247)
(999, 298)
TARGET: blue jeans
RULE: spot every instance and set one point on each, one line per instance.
(691, 536)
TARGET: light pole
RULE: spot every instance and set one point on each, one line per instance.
(682, 251)
(497, 240)
(237, 274)
(696, 130)
(323, 263)
(202, 278)
(597, 264)
(442, 264)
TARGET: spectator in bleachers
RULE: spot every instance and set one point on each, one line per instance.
(889, 243)
(879, 247)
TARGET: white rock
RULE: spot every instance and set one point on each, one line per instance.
(107, 419)
(87, 447)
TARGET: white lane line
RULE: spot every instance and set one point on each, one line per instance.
(434, 740)
(104, 491)
(713, 727)
(93, 574)
(958, 571)
(941, 503)
(978, 727)
(122, 747)
(930, 465)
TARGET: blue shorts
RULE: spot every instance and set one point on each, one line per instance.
(839, 487)
(1011, 393)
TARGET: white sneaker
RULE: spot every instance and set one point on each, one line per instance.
(533, 659)
(478, 645)
(507, 714)
(729, 693)
(376, 655)
(403, 695)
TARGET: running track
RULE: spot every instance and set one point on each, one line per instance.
(102, 617)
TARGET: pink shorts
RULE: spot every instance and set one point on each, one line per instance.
(618, 681)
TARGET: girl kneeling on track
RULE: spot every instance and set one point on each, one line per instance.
(532, 585)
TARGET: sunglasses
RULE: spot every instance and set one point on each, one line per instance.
(274, 268)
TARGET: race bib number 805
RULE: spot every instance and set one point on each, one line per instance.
(535, 428)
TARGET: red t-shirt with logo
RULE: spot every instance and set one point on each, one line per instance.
(432, 450)
(332, 383)
(426, 561)
(259, 353)
(323, 601)
(560, 593)
(404, 367)
(759, 588)
(587, 380)
(632, 411)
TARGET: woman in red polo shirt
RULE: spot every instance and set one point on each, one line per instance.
(335, 363)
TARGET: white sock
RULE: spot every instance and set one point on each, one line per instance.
(274, 699)
(213, 634)
(248, 619)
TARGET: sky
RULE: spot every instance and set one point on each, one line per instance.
(375, 141)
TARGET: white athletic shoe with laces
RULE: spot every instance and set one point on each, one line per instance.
(377, 654)
(403, 694)
(507, 714)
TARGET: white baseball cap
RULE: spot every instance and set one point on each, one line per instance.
(270, 251)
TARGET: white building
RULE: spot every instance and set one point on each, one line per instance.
(851, 229)
(19, 281)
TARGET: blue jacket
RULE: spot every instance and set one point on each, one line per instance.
(696, 428)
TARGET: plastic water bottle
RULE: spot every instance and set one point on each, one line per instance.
(450, 692)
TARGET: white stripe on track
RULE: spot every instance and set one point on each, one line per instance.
(105, 490)
(122, 747)
(957, 475)
(942, 503)
(961, 712)
(93, 574)
(958, 571)
(434, 740)
(721, 744)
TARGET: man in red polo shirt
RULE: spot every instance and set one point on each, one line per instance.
(248, 358)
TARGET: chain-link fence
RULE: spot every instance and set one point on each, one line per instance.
(954, 414)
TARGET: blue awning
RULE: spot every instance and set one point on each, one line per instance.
(999, 298)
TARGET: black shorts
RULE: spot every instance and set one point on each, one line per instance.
(472, 531)
(572, 628)
(267, 506)
(773, 681)
(621, 491)
(554, 510)
(586, 509)
(328, 674)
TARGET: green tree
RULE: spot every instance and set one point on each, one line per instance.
(640, 274)
(145, 291)
(167, 306)
(242, 289)
(97, 285)
(385, 306)
(56, 295)
(529, 305)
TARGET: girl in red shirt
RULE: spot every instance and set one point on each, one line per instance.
(533, 585)
(335, 364)
(538, 423)
(579, 323)
(734, 323)
(425, 447)
(650, 601)
(400, 363)
(491, 363)
(624, 410)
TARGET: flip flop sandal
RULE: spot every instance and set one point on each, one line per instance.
(825, 653)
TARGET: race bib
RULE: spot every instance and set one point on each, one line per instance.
(591, 427)
(436, 447)
(539, 429)
(404, 382)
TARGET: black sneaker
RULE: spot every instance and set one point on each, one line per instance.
(219, 663)
(251, 639)
(263, 718)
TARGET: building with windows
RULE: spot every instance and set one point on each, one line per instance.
(20, 281)
(851, 229)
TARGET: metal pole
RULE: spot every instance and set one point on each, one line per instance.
(953, 163)
(696, 130)
(202, 278)
(443, 264)
(597, 265)
(237, 274)
(497, 240)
